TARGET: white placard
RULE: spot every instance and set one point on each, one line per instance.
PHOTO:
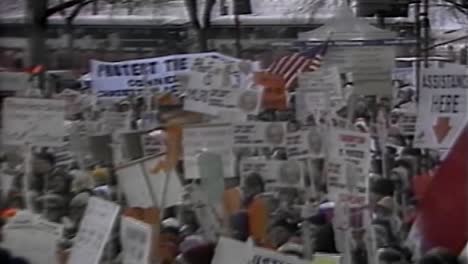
(308, 143)
(205, 213)
(443, 106)
(145, 188)
(259, 134)
(229, 251)
(406, 123)
(312, 106)
(213, 138)
(268, 169)
(121, 79)
(14, 81)
(36, 121)
(324, 79)
(136, 238)
(348, 161)
(94, 231)
(32, 238)
(152, 145)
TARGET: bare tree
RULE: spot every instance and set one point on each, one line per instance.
(38, 13)
(202, 28)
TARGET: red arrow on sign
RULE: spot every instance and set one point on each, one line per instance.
(442, 128)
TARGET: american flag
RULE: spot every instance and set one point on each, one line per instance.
(289, 67)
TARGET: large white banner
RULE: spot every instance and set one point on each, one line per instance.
(213, 138)
(39, 122)
(442, 106)
(120, 79)
(94, 231)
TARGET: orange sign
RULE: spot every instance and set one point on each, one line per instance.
(274, 94)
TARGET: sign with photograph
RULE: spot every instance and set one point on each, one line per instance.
(308, 143)
(312, 106)
(40, 122)
(259, 134)
(443, 106)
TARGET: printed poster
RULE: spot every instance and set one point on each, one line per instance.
(443, 106)
(260, 134)
(308, 143)
(136, 238)
(94, 231)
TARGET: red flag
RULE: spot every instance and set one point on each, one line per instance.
(444, 205)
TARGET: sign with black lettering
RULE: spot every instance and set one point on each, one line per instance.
(442, 106)
(121, 79)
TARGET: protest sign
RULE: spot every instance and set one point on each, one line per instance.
(406, 123)
(13, 81)
(153, 144)
(205, 212)
(306, 144)
(259, 134)
(351, 146)
(443, 106)
(39, 122)
(324, 79)
(121, 79)
(145, 188)
(136, 238)
(32, 238)
(312, 106)
(213, 138)
(72, 101)
(268, 169)
(229, 251)
(210, 169)
(94, 231)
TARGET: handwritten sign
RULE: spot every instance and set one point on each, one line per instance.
(259, 134)
(36, 121)
(136, 238)
(94, 231)
(443, 106)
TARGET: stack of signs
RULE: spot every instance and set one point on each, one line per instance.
(213, 138)
(279, 173)
(349, 163)
(306, 144)
(259, 134)
(443, 106)
(94, 231)
(39, 122)
(29, 236)
(136, 238)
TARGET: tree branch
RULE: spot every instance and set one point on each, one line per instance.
(77, 10)
(192, 10)
(62, 6)
(209, 4)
